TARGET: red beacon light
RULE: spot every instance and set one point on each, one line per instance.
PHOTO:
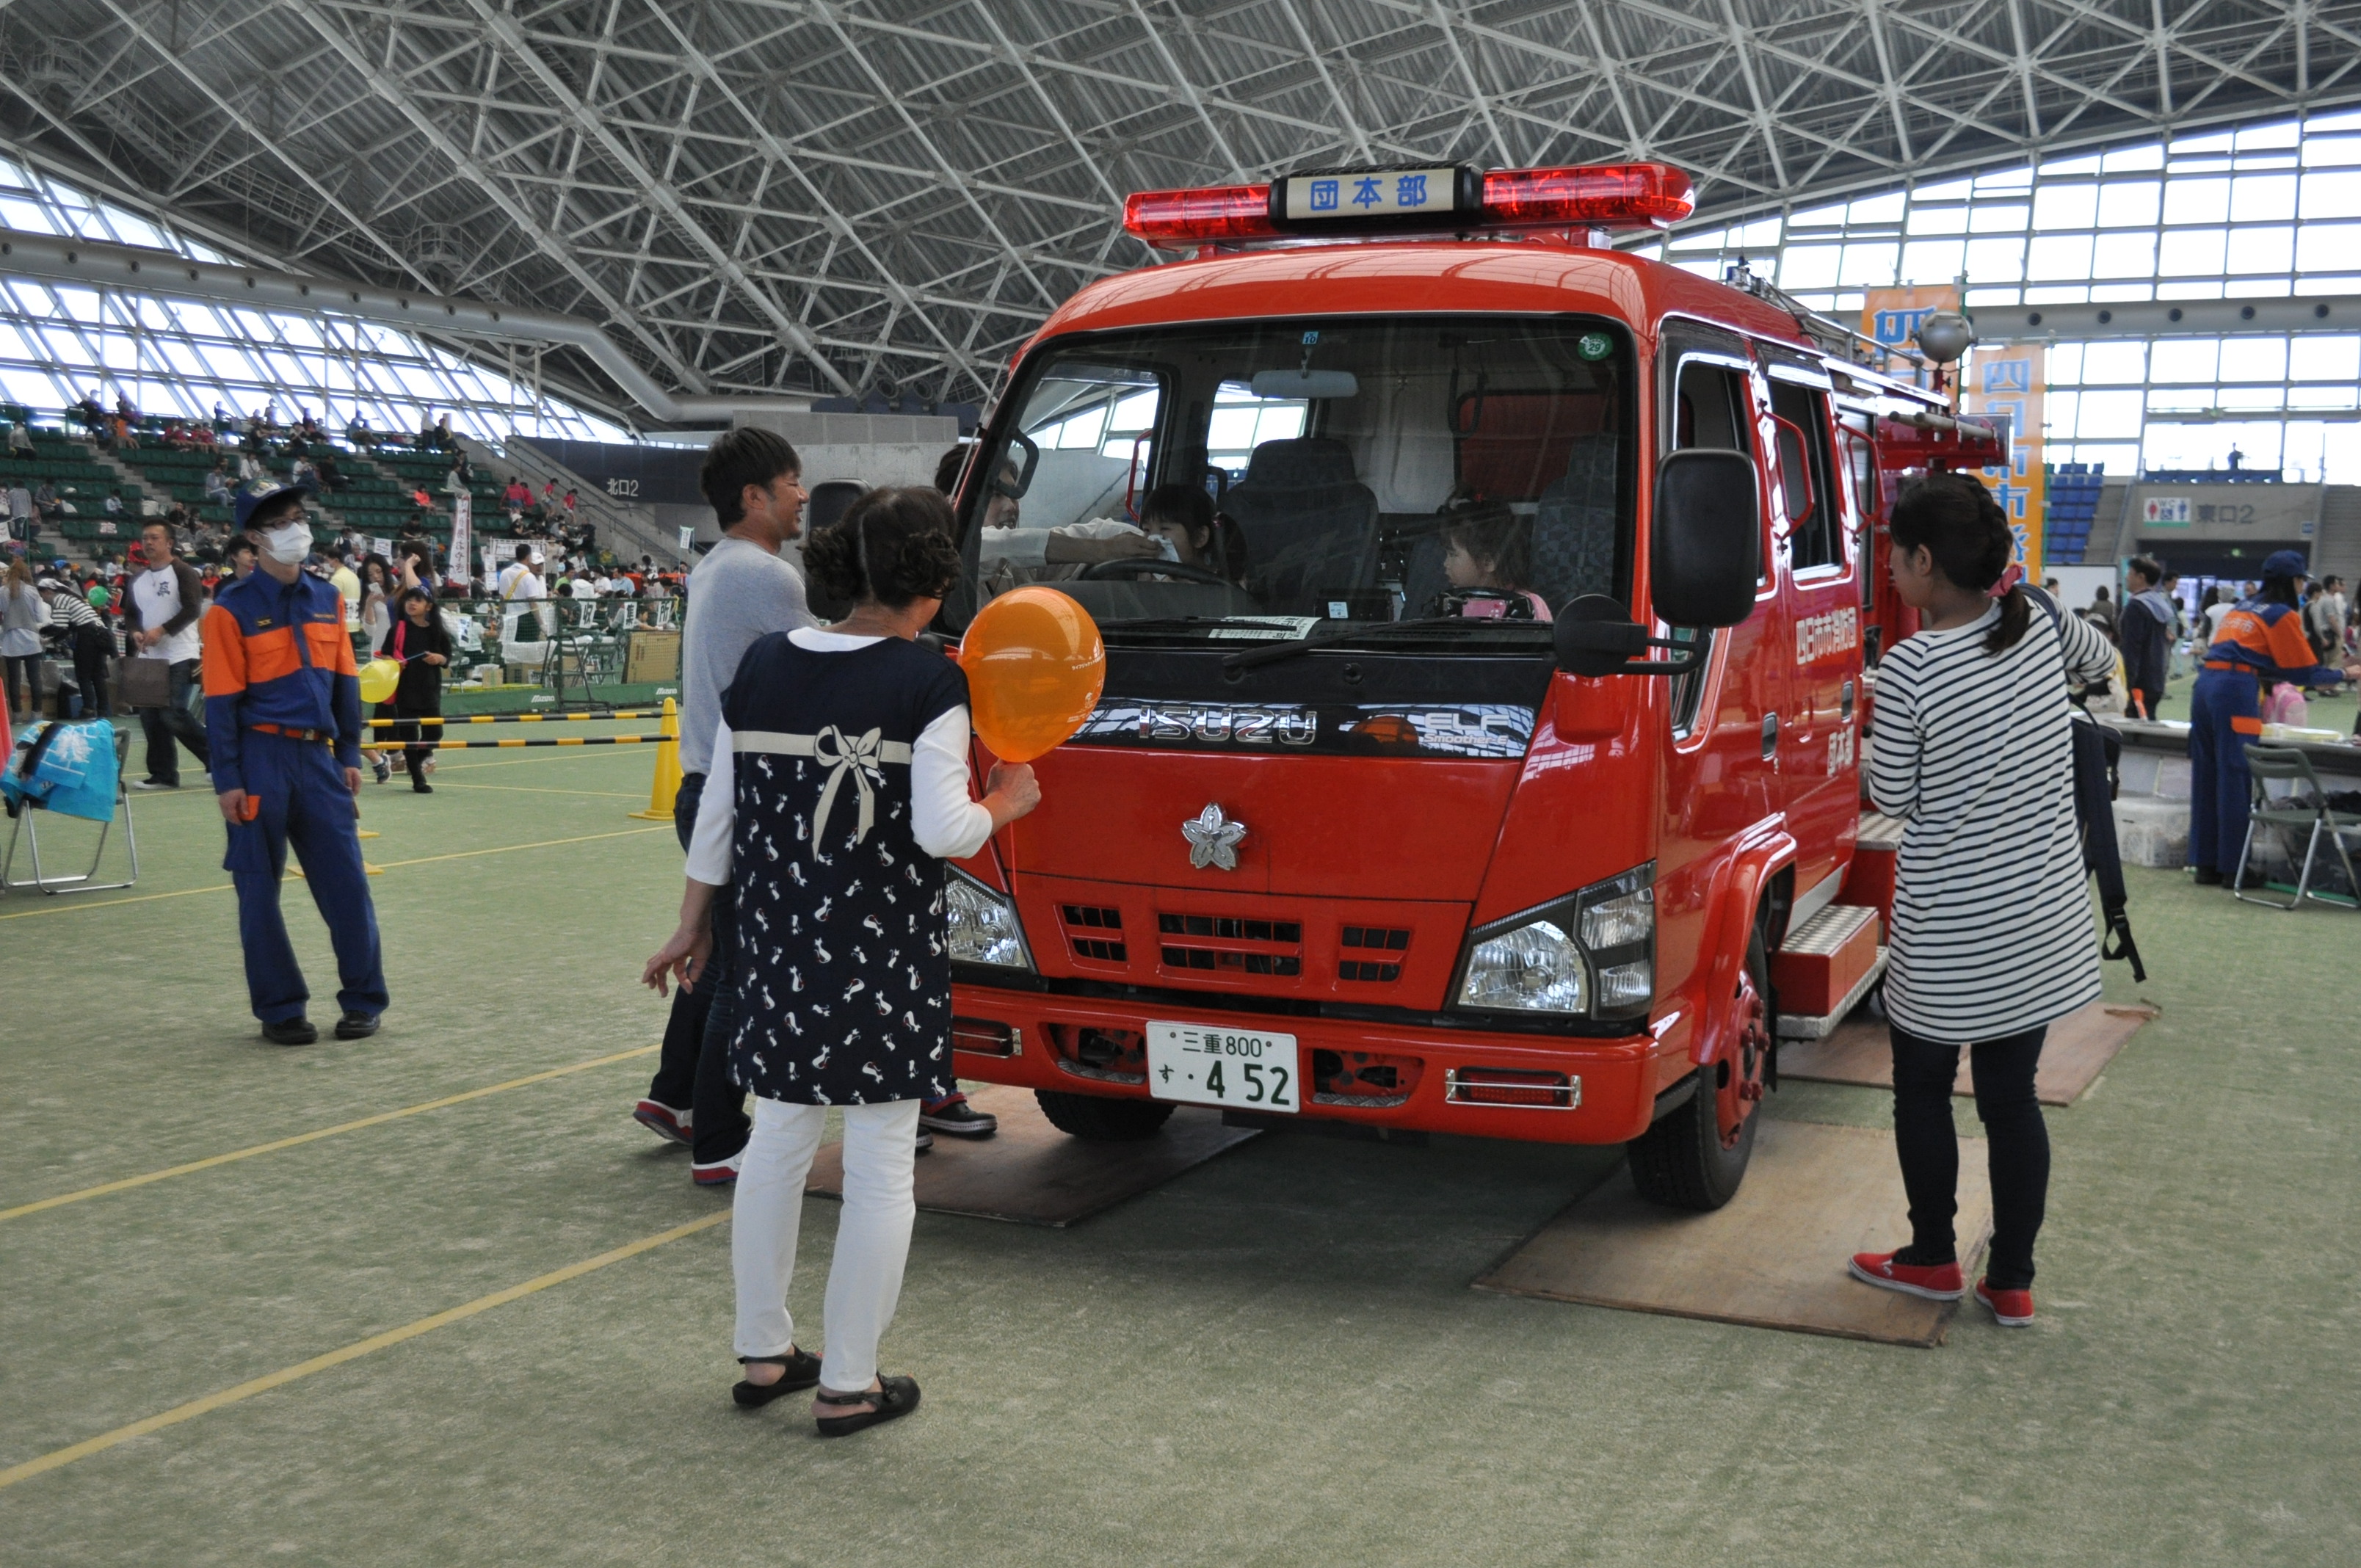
(1380, 202)
(1615, 195)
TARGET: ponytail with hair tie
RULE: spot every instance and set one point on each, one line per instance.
(1962, 526)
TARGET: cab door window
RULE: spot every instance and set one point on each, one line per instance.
(1808, 479)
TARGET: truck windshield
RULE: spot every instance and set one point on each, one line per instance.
(1256, 479)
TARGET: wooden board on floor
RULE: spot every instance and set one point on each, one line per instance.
(2078, 1049)
(1771, 1257)
(1032, 1174)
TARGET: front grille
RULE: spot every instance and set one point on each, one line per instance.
(1363, 939)
(1105, 947)
(1221, 943)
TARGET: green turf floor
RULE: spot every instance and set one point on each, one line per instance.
(1276, 1358)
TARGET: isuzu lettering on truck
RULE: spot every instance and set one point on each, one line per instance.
(1480, 743)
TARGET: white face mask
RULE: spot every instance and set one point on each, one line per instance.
(288, 544)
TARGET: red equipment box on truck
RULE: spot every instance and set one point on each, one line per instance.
(1392, 813)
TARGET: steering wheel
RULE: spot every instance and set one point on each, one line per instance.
(1151, 565)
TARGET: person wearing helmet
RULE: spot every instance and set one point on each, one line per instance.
(2261, 638)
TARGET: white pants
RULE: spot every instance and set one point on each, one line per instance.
(872, 1238)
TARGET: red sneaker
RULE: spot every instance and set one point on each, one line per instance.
(2010, 1309)
(663, 1121)
(1937, 1282)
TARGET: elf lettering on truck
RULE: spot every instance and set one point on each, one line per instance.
(1346, 841)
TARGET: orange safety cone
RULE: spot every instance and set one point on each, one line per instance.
(666, 786)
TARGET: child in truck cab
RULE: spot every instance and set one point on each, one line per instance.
(1990, 933)
(1488, 554)
(1181, 519)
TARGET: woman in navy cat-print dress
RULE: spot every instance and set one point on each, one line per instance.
(848, 755)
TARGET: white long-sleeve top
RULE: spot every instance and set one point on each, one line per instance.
(947, 823)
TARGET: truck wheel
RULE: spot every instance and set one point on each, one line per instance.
(1696, 1155)
(1102, 1121)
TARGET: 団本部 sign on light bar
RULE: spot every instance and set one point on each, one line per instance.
(1442, 196)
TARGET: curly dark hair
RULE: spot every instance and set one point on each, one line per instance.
(892, 546)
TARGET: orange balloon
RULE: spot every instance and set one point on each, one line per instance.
(1035, 668)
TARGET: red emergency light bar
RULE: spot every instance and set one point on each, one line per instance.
(1619, 196)
(1614, 195)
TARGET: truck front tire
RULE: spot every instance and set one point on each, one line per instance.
(1687, 1160)
(1097, 1120)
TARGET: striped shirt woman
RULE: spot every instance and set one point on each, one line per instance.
(1992, 934)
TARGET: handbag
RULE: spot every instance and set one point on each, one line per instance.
(144, 683)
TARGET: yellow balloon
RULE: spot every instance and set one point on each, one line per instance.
(1035, 668)
(379, 677)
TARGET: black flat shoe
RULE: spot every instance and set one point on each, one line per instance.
(802, 1372)
(290, 1032)
(898, 1397)
(356, 1025)
(422, 789)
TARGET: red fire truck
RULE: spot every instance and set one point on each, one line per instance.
(1485, 757)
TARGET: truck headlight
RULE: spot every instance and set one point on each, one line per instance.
(1592, 953)
(1531, 968)
(983, 926)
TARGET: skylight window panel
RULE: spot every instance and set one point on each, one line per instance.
(2324, 359)
(2058, 258)
(1937, 219)
(1992, 263)
(2333, 194)
(2262, 250)
(1999, 217)
(1932, 260)
(1868, 266)
(2065, 206)
(2130, 204)
(2184, 359)
(2190, 200)
(2186, 253)
(2114, 362)
(2262, 198)
(2123, 255)
(2253, 360)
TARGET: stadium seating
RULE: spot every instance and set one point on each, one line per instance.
(2073, 505)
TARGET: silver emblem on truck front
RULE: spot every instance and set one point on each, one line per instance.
(1212, 839)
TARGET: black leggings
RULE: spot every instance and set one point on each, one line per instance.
(1928, 1146)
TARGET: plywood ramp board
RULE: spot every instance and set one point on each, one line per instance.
(2077, 1051)
(1771, 1257)
(1032, 1174)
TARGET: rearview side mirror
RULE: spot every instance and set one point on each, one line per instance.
(1705, 552)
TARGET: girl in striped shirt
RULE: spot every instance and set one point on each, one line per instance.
(1992, 934)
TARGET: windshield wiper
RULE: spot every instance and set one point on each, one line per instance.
(1272, 652)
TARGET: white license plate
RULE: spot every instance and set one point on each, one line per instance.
(1244, 1069)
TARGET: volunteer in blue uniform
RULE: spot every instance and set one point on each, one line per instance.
(2260, 637)
(283, 709)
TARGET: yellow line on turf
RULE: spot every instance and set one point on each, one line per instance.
(386, 866)
(314, 1137)
(544, 789)
(352, 1352)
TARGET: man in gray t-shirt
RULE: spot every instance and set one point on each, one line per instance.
(743, 590)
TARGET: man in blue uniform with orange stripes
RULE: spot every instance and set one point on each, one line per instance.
(283, 714)
(2262, 637)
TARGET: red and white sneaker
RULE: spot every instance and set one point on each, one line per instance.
(720, 1173)
(2010, 1309)
(1936, 1282)
(663, 1121)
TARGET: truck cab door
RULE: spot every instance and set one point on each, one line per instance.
(1820, 599)
(1719, 771)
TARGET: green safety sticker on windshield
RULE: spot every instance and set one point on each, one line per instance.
(1594, 346)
